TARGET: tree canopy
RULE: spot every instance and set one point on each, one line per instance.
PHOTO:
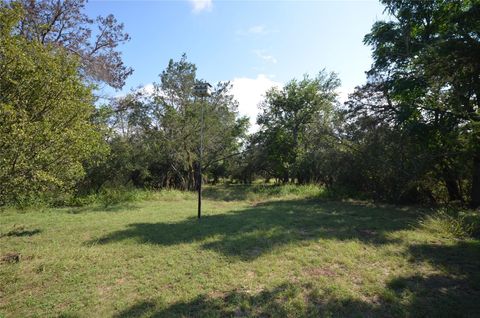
(290, 118)
(427, 70)
(94, 41)
(155, 137)
(46, 132)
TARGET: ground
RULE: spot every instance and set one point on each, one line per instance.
(249, 256)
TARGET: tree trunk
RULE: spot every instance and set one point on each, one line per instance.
(166, 180)
(286, 177)
(451, 183)
(192, 179)
(475, 194)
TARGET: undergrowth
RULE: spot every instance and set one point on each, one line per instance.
(453, 223)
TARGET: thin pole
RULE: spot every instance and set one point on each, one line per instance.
(200, 164)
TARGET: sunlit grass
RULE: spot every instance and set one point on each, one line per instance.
(258, 251)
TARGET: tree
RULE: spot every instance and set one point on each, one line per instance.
(177, 116)
(427, 69)
(46, 131)
(289, 115)
(63, 23)
(155, 138)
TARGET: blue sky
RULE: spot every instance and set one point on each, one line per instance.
(254, 44)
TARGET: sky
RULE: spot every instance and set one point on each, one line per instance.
(253, 44)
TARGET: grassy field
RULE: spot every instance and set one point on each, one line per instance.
(278, 252)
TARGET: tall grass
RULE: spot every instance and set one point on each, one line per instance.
(287, 190)
(261, 192)
(453, 223)
(112, 196)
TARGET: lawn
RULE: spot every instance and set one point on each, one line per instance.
(251, 255)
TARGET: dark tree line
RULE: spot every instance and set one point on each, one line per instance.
(426, 74)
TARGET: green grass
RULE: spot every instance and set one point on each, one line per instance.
(257, 252)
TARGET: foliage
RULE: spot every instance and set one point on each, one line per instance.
(424, 86)
(262, 192)
(410, 134)
(93, 41)
(155, 138)
(113, 196)
(46, 133)
(291, 122)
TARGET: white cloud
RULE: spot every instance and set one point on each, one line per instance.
(201, 5)
(249, 92)
(262, 54)
(148, 89)
(343, 92)
(259, 29)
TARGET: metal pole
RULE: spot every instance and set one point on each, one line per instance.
(200, 164)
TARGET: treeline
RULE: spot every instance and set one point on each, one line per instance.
(411, 134)
(154, 137)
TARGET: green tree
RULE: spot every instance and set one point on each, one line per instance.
(427, 70)
(177, 114)
(155, 137)
(46, 131)
(289, 116)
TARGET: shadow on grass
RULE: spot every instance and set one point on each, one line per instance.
(138, 310)
(249, 233)
(102, 208)
(290, 300)
(285, 300)
(453, 291)
(20, 232)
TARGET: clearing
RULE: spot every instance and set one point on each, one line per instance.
(277, 256)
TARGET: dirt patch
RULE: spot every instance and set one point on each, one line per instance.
(10, 258)
(104, 290)
(251, 274)
(217, 294)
